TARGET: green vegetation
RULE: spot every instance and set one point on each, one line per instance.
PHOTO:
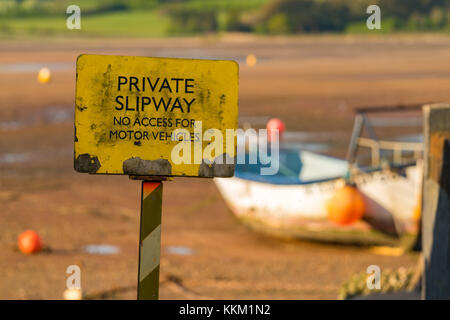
(121, 24)
(391, 281)
(155, 18)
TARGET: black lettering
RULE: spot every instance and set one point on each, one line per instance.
(133, 82)
(122, 80)
(145, 101)
(177, 80)
(113, 134)
(176, 104)
(161, 100)
(189, 104)
(117, 121)
(152, 86)
(131, 109)
(165, 85)
(125, 121)
(122, 136)
(186, 86)
(121, 105)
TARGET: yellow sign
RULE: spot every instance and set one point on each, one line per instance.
(155, 116)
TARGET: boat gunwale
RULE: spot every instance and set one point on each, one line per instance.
(365, 170)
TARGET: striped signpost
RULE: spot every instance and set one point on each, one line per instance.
(150, 240)
(133, 114)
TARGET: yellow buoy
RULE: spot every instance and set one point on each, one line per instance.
(417, 213)
(387, 251)
(251, 60)
(73, 294)
(44, 75)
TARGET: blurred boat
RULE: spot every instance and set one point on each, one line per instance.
(293, 203)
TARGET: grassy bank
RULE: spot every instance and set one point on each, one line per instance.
(122, 23)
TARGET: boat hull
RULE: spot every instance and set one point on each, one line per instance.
(299, 211)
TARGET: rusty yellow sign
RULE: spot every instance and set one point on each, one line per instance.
(155, 116)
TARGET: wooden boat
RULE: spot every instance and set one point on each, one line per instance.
(293, 203)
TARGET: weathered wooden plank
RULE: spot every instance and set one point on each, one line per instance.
(436, 203)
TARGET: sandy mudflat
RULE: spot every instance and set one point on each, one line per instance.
(312, 83)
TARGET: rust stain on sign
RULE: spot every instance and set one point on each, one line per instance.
(137, 166)
(131, 112)
(220, 167)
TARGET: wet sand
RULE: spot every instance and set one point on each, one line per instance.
(312, 83)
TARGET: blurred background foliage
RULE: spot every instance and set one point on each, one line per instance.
(187, 17)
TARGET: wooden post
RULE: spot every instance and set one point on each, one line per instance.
(436, 203)
(150, 240)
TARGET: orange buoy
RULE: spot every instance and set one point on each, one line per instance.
(44, 75)
(275, 124)
(346, 206)
(29, 242)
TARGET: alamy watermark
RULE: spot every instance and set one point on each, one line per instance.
(74, 20)
(74, 279)
(254, 147)
(374, 20)
(373, 281)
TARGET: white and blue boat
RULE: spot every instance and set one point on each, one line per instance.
(293, 203)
